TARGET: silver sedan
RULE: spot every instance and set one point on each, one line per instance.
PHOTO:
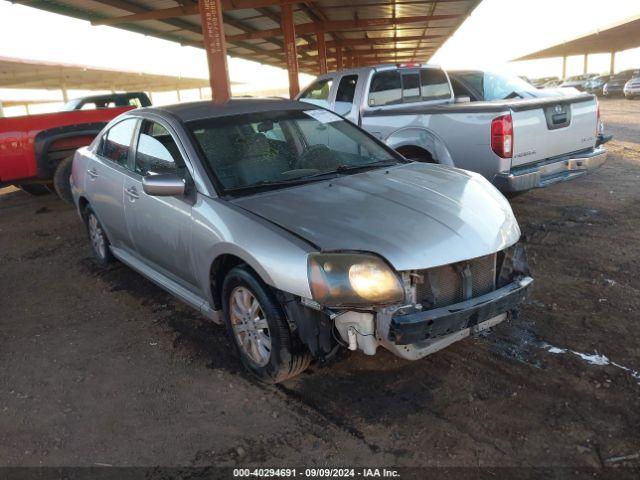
(299, 230)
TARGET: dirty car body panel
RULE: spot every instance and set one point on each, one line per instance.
(308, 184)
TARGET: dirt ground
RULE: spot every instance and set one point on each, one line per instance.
(103, 368)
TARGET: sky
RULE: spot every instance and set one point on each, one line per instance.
(496, 32)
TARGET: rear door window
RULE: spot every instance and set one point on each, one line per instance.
(116, 143)
(346, 94)
(386, 89)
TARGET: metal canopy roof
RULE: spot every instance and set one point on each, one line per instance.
(618, 37)
(19, 73)
(374, 31)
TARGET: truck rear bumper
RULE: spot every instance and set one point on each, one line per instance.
(547, 173)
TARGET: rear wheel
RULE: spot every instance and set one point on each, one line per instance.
(259, 330)
(61, 179)
(416, 154)
(35, 189)
(99, 242)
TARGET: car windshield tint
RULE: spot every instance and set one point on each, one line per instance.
(497, 86)
(274, 149)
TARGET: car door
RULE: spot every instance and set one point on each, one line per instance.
(106, 171)
(160, 226)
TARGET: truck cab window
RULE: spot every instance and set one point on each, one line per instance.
(157, 151)
(434, 84)
(410, 88)
(386, 89)
(117, 141)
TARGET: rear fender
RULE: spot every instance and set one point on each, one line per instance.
(422, 138)
(61, 138)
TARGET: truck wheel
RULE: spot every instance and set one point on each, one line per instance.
(61, 179)
(99, 242)
(35, 189)
(259, 330)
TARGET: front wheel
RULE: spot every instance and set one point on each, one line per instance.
(259, 330)
(61, 179)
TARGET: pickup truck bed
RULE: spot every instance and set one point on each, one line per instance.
(518, 144)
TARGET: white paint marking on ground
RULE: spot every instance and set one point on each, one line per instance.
(592, 359)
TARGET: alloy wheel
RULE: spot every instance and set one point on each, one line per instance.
(250, 325)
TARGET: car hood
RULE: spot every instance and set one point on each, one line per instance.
(415, 215)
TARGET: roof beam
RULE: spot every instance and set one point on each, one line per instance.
(341, 25)
(190, 9)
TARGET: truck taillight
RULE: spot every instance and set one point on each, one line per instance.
(502, 136)
(599, 125)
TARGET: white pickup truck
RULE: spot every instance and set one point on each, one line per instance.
(516, 136)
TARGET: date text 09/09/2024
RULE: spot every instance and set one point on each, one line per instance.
(315, 473)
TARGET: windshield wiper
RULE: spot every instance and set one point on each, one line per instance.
(352, 168)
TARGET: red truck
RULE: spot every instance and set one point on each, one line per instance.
(36, 151)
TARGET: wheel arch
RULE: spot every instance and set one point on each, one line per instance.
(419, 139)
(62, 137)
(222, 264)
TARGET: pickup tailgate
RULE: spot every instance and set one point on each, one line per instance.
(552, 127)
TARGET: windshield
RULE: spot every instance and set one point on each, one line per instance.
(497, 86)
(276, 149)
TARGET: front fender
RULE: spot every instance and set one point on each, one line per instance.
(423, 138)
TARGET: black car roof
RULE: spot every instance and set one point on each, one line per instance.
(188, 112)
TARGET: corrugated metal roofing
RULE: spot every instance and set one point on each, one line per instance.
(20, 73)
(427, 34)
(618, 37)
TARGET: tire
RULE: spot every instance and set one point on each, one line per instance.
(99, 242)
(35, 189)
(270, 353)
(61, 179)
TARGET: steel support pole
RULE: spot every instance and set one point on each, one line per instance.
(586, 63)
(216, 48)
(1, 111)
(339, 59)
(322, 52)
(290, 49)
(564, 67)
(65, 94)
(612, 65)
(179, 96)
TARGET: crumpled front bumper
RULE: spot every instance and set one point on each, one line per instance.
(547, 173)
(416, 327)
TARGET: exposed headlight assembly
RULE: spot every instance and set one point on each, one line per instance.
(353, 280)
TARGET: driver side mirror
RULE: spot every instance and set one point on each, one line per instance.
(462, 99)
(166, 185)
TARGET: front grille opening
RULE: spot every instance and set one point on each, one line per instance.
(454, 283)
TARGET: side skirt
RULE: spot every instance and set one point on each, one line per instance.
(188, 297)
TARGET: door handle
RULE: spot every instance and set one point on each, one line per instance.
(132, 192)
(92, 173)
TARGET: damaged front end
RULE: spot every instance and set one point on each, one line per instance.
(441, 305)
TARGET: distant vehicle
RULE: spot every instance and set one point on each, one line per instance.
(615, 86)
(36, 150)
(500, 126)
(541, 82)
(578, 81)
(552, 83)
(596, 84)
(114, 100)
(299, 231)
(632, 88)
